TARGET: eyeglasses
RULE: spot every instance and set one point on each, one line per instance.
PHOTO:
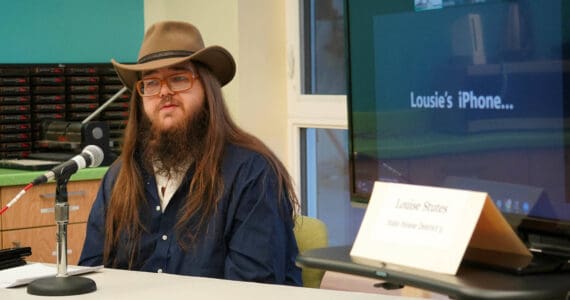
(177, 83)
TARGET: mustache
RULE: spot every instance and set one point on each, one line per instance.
(166, 99)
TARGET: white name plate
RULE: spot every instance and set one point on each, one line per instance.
(430, 228)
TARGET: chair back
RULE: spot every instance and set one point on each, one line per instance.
(310, 233)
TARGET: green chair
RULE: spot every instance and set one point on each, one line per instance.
(310, 233)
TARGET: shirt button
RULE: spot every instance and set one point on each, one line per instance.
(159, 271)
(164, 237)
(158, 208)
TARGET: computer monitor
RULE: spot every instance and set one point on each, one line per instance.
(464, 94)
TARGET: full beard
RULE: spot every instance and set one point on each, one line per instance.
(172, 151)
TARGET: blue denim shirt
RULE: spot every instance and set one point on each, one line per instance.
(248, 238)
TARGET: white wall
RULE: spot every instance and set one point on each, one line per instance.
(254, 32)
(262, 106)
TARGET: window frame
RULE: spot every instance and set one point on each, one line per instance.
(305, 110)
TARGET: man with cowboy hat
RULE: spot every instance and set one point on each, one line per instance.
(191, 192)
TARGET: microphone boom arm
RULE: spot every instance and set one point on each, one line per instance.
(104, 105)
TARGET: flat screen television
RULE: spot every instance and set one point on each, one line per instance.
(464, 94)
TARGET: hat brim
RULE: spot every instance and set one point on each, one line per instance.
(216, 58)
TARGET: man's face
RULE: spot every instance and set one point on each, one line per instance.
(170, 109)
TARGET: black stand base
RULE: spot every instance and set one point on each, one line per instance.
(61, 286)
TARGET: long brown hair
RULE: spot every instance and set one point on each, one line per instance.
(127, 197)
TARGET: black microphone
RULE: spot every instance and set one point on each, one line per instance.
(91, 156)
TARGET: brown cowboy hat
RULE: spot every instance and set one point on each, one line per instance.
(169, 43)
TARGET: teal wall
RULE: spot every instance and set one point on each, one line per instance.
(70, 31)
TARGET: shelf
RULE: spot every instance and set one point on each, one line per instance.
(10, 177)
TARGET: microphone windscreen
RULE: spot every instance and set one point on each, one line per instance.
(96, 154)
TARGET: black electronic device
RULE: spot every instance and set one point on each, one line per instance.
(465, 94)
(61, 140)
(13, 257)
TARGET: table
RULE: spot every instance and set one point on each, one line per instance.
(469, 282)
(126, 285)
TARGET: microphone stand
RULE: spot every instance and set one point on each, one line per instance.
(62, 284)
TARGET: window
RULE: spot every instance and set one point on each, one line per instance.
(327, 182)
(317, 114)
(323, 47)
